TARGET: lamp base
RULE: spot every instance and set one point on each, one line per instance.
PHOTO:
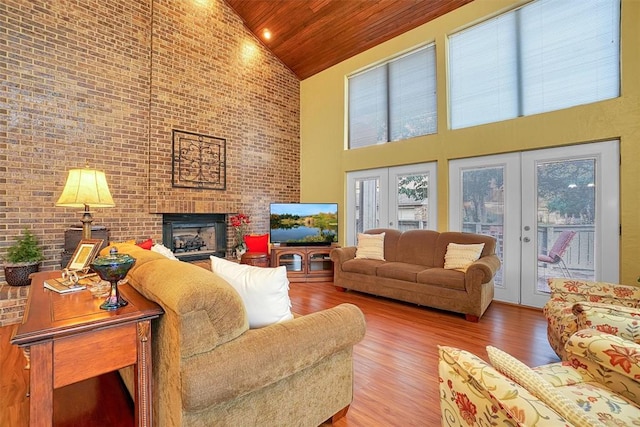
(87, 219)
(114, 301)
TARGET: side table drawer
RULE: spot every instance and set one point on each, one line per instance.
(86, 355)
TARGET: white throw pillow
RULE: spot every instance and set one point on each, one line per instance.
(370, 246)
(264, 291)
(163, 250)
(459, 257)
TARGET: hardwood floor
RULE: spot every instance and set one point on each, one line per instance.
(395, 366)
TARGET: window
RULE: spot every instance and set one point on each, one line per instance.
(394, 101)
(545, 56)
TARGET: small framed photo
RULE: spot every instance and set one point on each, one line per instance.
(85, 252)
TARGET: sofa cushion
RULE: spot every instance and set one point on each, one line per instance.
(399, 271)
(613, 319)
(370, 246)
(459, 257)
(539, 387)
(451, 279)
(362, 266)
(417, 247)
(264, 291)
(602, 398)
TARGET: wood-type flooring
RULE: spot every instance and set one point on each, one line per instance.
(395, 366)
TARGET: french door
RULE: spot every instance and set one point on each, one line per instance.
(402, 197)
(554, 213)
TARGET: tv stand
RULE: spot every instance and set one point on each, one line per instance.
(304, 263)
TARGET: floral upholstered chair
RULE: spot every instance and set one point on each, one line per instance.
(605, 306)
(597, 386)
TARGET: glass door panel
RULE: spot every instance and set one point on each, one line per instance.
(413, 197)
(483, 191)
(566, 204)
(319, 261)
(553, 212)
(367, 204)
(401, 197)
(483, 205)
(570, 216)
(291, 261)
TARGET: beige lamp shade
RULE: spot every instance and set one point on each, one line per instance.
(86, 187)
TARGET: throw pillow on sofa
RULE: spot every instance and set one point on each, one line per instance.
(539, 387)
(146, 244)
(370, 246)
(459, 257)
(264, 291)
(162, 249)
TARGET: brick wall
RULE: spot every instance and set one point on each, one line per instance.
(104, 83)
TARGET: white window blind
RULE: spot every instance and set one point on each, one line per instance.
(545, 56)
(368, 108)
(394, 101)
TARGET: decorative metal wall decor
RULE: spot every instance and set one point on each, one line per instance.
(199, 161)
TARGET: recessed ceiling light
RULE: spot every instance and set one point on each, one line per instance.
(266, 34)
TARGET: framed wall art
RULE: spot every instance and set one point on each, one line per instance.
(199, 161)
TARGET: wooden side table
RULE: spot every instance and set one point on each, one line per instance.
(71, 339)
(257, 259)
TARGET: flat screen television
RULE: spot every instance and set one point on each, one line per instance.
(304, 224)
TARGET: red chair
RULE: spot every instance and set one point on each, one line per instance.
(554, 257)
(257, 253)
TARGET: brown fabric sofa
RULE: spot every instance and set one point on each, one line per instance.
(413, 271)
(210, 369)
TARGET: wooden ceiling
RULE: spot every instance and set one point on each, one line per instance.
(312, 35)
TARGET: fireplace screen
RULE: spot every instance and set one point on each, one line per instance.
(195, 236)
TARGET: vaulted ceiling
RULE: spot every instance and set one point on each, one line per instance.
(312, 35)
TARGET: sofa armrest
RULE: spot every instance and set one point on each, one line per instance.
(340, 255)
(586, 290)
(202, 310)
(613, 319)
(485, 268)
(260, 357)
(609, 351)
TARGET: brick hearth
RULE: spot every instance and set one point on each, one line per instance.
(12, 302)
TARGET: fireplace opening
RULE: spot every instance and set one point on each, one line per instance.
(194, 237)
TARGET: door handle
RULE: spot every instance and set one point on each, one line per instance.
(526, 240)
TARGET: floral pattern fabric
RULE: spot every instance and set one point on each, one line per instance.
(473, 393)
(562, 323)
(601, 376)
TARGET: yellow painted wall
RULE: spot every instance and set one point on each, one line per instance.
(325, 162)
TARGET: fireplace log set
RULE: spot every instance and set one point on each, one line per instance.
(195, 236)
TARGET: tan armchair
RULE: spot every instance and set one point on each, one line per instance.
(578, 304)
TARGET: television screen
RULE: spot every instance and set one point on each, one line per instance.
(304, 224)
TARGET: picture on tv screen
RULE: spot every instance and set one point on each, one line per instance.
(304, 223)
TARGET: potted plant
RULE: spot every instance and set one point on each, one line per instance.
(23, 258)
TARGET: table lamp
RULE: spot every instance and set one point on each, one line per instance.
(86, 187)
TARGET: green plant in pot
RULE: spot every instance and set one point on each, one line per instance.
(23, 258)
